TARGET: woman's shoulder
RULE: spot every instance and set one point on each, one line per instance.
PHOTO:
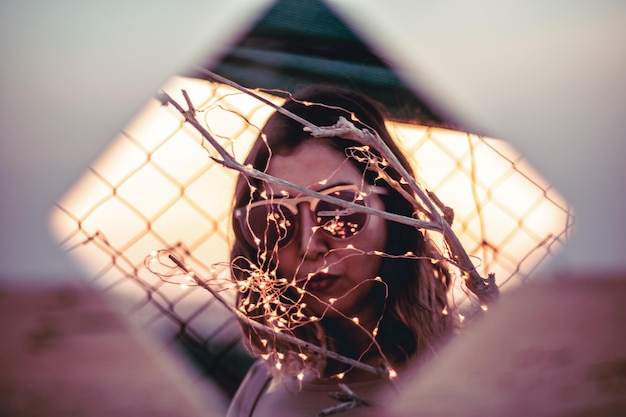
(250, 390)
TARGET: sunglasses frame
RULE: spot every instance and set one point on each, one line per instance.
(291, 204)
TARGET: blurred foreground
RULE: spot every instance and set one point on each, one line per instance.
(551, 348)
(63, 352)
(555, 347)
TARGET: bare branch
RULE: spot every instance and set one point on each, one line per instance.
(229, 162)
(347, 401)
(485, 289)
(379, 371)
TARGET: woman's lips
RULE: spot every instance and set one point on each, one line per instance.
(321, 282)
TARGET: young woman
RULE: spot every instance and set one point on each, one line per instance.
(349, 282)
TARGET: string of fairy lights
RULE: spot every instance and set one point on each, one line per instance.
(264, 292)
(162, 185)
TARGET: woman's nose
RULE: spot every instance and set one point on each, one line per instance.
(311, 240)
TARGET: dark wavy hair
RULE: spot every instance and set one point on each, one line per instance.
(414, 319)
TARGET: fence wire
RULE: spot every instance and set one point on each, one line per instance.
(156, 188)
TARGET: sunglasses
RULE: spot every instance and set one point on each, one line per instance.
(273, 223)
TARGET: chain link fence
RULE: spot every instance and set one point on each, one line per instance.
(157, 188)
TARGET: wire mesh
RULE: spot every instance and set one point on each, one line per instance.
(157, 188)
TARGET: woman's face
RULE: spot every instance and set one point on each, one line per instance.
(338, 272)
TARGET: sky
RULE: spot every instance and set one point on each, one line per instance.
(546, 76)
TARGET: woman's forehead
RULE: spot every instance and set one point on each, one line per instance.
(312, 165)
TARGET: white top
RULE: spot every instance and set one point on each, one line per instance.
(260, 395)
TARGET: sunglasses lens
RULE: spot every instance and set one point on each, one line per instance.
(340, 226)
(270, 226)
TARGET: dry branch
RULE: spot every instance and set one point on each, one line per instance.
(485, 289)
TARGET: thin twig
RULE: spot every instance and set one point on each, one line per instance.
(229, 162)
(485, 289)
(348, 400)
(379, 371)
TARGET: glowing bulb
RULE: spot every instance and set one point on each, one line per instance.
(325, 270)
(409, 253)
(332, 300)
(379, 279)
(184, 286)
(355, 319)
(444, 311)
(375, 332)
(341, 375)
(323, 182)
(461, 318)
(377, 252)
(300, 376)
(484, 307)
(392, 374)
(350, 246)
